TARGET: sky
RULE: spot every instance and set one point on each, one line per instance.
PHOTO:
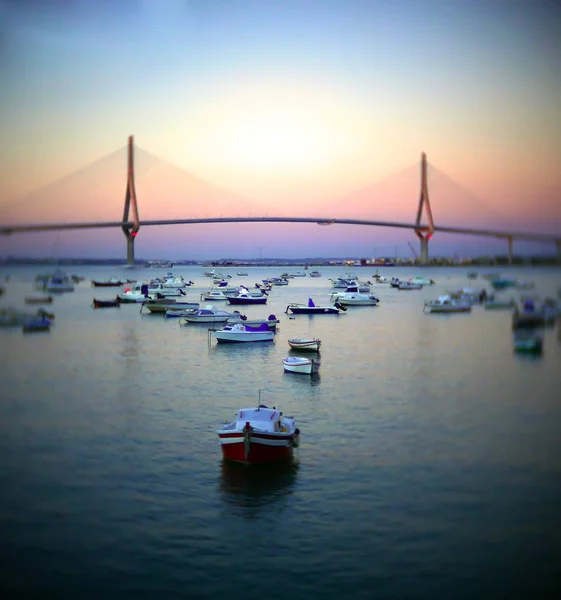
(278, 107)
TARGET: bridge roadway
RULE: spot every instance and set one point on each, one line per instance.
(535, 237)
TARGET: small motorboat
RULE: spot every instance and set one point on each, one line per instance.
(244, 296)
(10, 317)
(307, 345)
(446, 304)
(312, 309)
(214, 295)
(527, 314)
(258, 435)
(58, 283)
(38, 299)
(208, 314)
(354, 297)
(111, 282)
(299, 364)
(174, 282)
(115, 303)
(38, 323)
(238, 333)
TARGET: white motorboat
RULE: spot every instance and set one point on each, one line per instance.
(244, 296)
(354, 297)
(214, 295)
(142, 291)
(299, 364)
(208, 314)
(357, 299)
(238, 333)
(446, 304)
(305, 344)
(175, 282)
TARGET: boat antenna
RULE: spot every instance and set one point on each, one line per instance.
(259, 399)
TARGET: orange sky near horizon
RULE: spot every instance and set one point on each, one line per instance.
(288, 117)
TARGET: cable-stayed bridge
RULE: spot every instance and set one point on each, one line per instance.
(423, 227)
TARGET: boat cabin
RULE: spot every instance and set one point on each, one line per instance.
(263, 418)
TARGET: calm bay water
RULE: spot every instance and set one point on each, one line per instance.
(429, 465)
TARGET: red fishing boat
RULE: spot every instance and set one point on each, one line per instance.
(258, 435)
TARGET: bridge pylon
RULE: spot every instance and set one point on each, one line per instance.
(424, 232)
(130, 231)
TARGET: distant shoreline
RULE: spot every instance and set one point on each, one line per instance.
(498, 261)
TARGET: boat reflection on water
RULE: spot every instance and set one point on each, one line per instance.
(298, 380)
(257, 485)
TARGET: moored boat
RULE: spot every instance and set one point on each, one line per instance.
(208, 314)
(446, 304)
(354, 297)
(115, 303)
(214, 295)
(238, 333)
(527, 314)
(244, 296)
(111, 282)
(258, 435)
(299, 364)
(37, 323)
(312, 309)
(58, 283)
(305, 344)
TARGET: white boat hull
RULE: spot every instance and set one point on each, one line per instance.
(296, 364)
(238, 333)
(307, 345)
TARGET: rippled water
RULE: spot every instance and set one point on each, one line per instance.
(429, 464)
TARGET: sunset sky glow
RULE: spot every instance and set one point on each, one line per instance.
(280, 107)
